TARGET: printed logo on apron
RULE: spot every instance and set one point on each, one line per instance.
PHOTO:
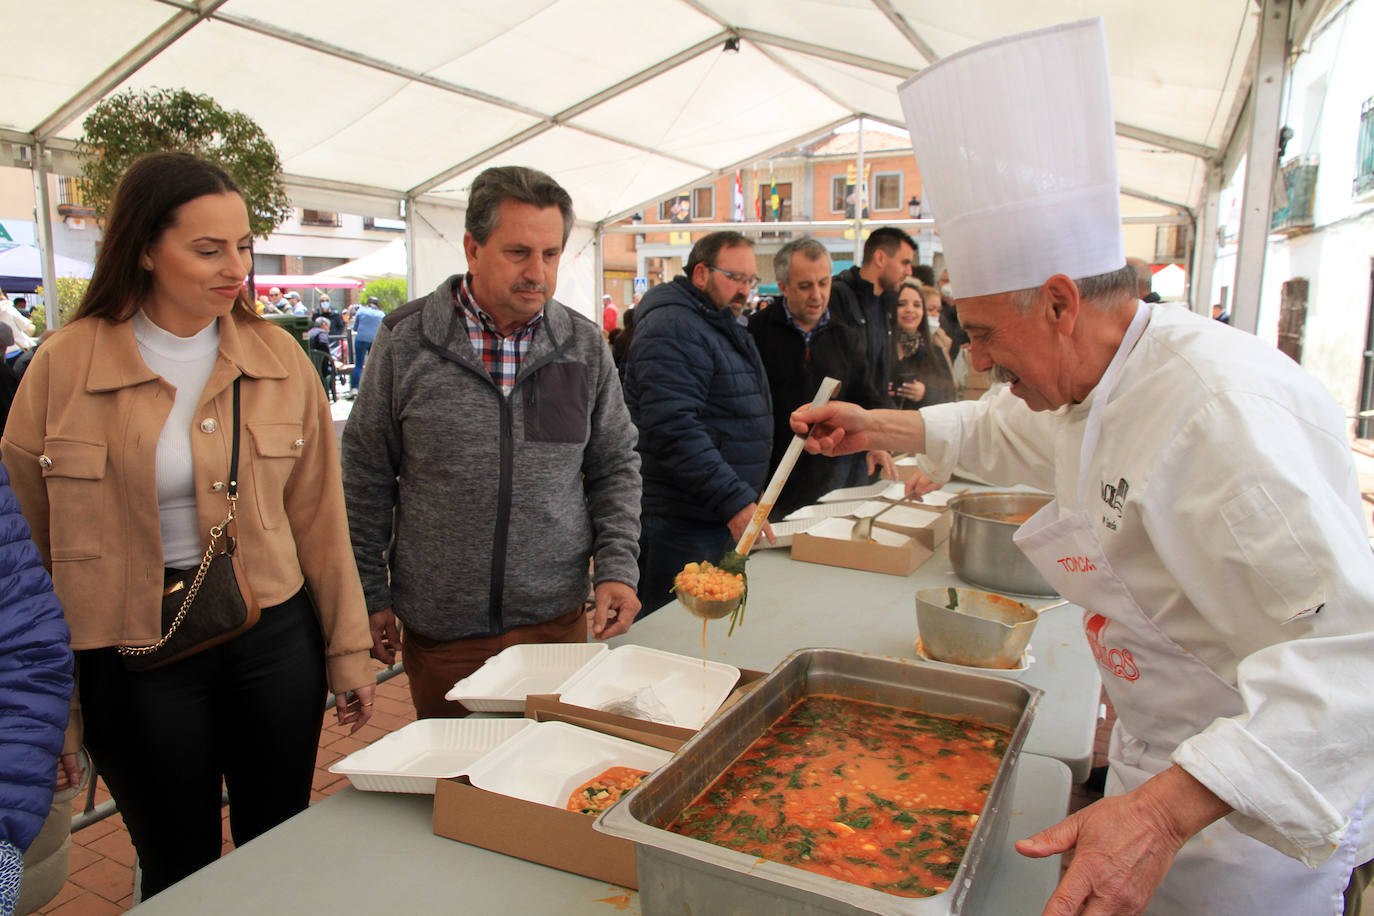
(1119, 662)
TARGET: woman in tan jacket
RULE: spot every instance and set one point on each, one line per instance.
(119, 447)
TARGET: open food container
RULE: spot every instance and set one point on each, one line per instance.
(412, 758)
(505, 679)
(981, 547)
(651, 684)
(679, 874)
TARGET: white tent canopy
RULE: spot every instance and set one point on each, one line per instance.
(387, 261)
(623, 101)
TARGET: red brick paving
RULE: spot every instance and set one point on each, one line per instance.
(101, 877)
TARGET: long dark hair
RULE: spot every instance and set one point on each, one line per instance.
(145, 205)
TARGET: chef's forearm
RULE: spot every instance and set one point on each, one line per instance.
(898, 430)
(1180, 804)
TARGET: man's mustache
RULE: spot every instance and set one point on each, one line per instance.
(529, 288)
(1001, 374)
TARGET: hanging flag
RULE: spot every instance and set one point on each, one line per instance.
(773, 193)
(758, 196)
(738, 210)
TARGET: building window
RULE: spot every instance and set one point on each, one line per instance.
(1364, 155)
(839, 190)
(675, 209)
(390, 225)
(887, 191)
(319, 218)
(703, 203)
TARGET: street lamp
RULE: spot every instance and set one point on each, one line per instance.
(913, 207)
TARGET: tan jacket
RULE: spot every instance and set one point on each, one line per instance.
(81, 447)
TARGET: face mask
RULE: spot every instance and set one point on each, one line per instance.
(933, 323)
(948, 291)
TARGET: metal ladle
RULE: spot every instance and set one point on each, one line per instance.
(734, 560)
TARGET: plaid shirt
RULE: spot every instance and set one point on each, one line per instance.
(501, 354)
(806, 335)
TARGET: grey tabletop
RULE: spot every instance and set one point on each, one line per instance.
(375, 852)
(795, 605)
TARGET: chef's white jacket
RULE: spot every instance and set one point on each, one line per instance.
(1238, 515)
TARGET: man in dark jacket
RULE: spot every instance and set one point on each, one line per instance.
(698, 393)
(800, 345)
(864, 297)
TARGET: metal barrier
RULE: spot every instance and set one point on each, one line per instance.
(92, 813)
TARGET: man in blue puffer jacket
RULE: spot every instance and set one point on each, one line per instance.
(698, 392)
(35, 691)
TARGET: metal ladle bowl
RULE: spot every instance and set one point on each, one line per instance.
(707, 608)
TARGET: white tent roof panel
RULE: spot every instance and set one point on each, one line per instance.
(698, 112)
(38, 78)
(331, 80)
(603, 177)
(554, 60)
(855, 26)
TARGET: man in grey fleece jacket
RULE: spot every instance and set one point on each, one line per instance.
(489, 456)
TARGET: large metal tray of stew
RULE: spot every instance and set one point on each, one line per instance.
(799, 795)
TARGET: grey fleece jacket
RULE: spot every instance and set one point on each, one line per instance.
(498, 501)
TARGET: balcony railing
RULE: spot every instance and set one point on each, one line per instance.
(1300, 183)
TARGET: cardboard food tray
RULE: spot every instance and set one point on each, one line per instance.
(536, 832)
(889, 552)
(930, 525)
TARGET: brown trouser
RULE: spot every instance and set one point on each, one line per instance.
(1360, 881)
(432, 667)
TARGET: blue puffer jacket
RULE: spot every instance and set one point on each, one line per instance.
(699, 395)
(35, 678)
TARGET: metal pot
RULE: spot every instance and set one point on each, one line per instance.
(981, 549)
(982, 630)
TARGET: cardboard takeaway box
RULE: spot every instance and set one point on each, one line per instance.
(895, 549)
(547, 835)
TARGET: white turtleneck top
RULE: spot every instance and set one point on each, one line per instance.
(186, 364)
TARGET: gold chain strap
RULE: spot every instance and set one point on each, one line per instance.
(215, 534)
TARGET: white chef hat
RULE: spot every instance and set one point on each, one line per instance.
(1015, 141)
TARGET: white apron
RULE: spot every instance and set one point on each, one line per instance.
(1163, 695)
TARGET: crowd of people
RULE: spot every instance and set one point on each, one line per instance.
(506, 477)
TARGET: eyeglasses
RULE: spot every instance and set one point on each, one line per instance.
(750, 282)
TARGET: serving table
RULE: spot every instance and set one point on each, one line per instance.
(795, 605)
(366, 853)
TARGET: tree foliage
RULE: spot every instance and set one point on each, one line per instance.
(70, 292)
(127, 125)
(390, 292)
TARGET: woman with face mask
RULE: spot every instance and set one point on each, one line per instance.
(921, 372)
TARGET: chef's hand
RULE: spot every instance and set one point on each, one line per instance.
(1123, 845)
(877, 458)
(837, 428)
(616, 607)
(918, 484)
(355, 706)
(385, 637)
(741, 521)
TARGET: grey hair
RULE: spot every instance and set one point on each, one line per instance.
(524, 185)
(809, 248)
(1100, 290)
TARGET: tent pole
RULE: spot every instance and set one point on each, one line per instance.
(599, 265)
(860, 197)
(1205, 243)
(410, 244)
(52, 306)
(1266, 96)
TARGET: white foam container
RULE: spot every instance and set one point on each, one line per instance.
(547, 761)
(783, 532)
(411, 758)
(503, 682)
(883, 489)
(1026, 661)
(690, 688)
(827, 510)
(912, 515)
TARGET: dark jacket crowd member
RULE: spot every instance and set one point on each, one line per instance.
(698, 393)
(800, 345)
(863, 297)
(921, 371)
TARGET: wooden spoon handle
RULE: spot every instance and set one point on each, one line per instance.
(775, 485)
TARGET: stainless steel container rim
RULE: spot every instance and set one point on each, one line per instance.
(956, 504)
